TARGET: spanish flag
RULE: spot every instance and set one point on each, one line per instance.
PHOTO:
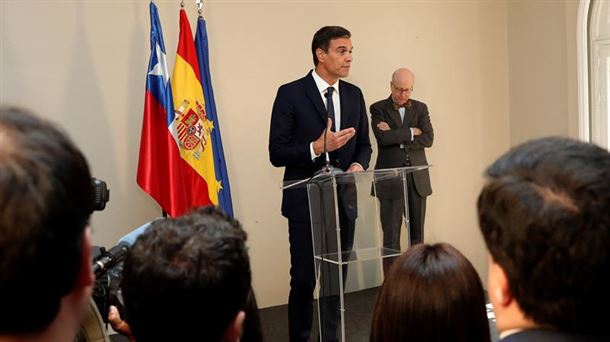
(176, 164)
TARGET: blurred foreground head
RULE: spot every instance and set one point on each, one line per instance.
(187, 279)
(431, 293)
(545, 217)
(46, 199)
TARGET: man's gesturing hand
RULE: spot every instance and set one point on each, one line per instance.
(334, 140)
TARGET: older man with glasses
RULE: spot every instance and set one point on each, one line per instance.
(403, 130)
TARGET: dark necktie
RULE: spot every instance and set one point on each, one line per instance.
(330, 108)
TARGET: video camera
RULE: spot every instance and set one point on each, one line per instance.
(107, 264)
(105, 288)
(101, 194)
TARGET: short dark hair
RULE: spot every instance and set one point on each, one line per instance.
(46, 199)
(431, 293)
(322, 38)
(545, 217)
(186, 278)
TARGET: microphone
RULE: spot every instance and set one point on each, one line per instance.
(110, 258)
(325, 149)
(117, 253)
(328, 169)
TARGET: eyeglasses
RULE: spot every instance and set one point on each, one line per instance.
(403, 90)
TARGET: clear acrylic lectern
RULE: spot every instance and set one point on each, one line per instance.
(348, 239)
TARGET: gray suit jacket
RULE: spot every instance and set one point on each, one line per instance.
(388, 142)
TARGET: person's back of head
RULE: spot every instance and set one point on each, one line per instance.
(431, 293)
(46, 199)
(545, 217)
(187, 279)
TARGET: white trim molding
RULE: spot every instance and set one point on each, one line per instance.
(582, 59)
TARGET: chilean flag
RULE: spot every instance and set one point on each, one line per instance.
(162, 171)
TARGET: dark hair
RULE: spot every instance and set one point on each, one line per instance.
(186, 279)
(545, 217)
(322, 38)
(46, 199)
(253, 331)
(431, 293)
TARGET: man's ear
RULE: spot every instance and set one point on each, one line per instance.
(235, 329)
(498, 285)
(320, 54)
(86, 276)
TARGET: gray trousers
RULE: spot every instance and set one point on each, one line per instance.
(392, 212)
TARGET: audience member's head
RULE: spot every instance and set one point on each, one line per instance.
(545, 217)
(46, 198)
(188, 279)
(431, 293)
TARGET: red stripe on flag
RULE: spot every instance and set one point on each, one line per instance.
(162, 173)
(186, 47)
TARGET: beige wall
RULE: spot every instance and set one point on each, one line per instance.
(83, 63)
(542, 64)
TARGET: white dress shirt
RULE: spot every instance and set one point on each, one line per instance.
(322, 89)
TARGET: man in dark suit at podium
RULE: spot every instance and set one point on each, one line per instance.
(303, 110)
(403, 130)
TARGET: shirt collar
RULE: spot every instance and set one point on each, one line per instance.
(322, 85)
(506, 333)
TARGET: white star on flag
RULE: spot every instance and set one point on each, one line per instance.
(160, 69)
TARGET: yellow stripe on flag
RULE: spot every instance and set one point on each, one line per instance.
(193, 126)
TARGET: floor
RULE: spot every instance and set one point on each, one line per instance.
(274, 320)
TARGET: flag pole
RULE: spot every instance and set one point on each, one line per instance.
(199, 4)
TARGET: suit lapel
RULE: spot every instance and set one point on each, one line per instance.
(314, 96)
(393, 113)
(347, 115)
(410, 116)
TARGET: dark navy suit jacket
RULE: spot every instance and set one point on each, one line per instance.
(298, 118)
(540, 335)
